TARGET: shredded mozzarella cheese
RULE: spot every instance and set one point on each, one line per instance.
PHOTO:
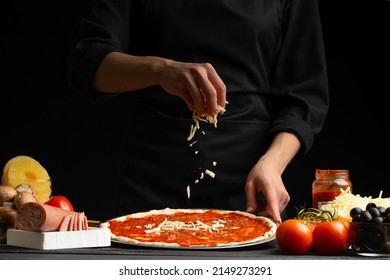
(177, 225)
(343, 203)
(205, 118)
(193, 143)
(194, 128)
(210, 173)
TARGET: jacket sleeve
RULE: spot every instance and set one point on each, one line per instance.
(105, 29)
(299, 75)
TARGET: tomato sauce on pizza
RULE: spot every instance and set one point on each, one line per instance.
(186, 228)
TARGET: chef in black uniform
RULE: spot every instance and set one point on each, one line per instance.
(262, 61)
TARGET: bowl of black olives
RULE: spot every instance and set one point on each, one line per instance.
(371, 230)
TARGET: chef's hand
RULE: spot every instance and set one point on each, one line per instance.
(263, 178)
(266, 177)
(198, 84)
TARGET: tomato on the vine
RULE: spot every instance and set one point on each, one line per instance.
(60, 201)
(331, 238)
(294, 237)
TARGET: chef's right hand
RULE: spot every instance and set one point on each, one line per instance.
(198, 84)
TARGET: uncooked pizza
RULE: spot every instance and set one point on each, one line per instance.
(191, 228)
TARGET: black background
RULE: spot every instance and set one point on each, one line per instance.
(78, 142)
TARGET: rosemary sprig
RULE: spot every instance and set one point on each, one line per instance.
(314, 215)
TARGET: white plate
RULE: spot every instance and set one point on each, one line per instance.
(177, 246)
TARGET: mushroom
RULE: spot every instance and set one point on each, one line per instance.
(24, 197)
(24, 188)
(7, 193)
(7, 217)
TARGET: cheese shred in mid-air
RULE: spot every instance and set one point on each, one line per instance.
(344, 202)
(210, 173)
(194, 127)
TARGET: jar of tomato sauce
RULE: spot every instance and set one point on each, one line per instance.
(328, 185)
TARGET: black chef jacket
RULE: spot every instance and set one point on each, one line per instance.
(270, 55)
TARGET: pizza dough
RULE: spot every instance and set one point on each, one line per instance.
(191, 228)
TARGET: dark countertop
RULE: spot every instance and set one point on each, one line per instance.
(265, 251)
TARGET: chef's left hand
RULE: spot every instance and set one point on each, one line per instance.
(264, 178)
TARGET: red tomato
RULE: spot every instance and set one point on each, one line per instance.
(331, 238)
(294, 237)
(60, 202)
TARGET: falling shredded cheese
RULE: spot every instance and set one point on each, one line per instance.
(177, 225)
(194, 127)
(210, 173)
(192, 132)
(343, 203)
(193, 143)
(188, 191)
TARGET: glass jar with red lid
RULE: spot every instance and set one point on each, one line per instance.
(328, 185)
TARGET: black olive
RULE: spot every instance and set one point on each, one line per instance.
(355, 211)
(382, 210)
(386, 219)
(370, 205)
(387, 211)
(365, 216)
(374, 212)
(377, 220)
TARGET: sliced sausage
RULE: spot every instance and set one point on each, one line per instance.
(81, 221)
(65, 223)
(85, 221)
(35, 216)
(77, 224)
(72, 222)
